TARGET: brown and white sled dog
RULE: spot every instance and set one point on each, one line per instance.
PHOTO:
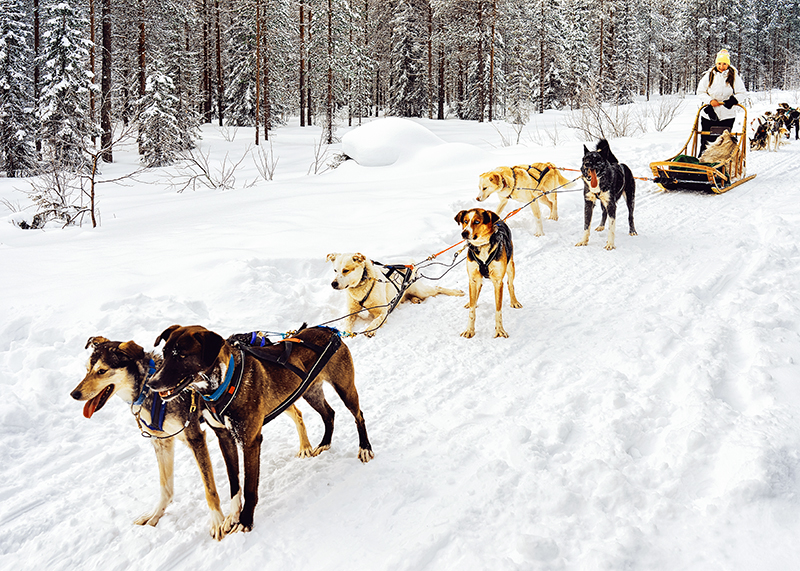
(372, 287)
(199, 358)
(523, 183)
(490, 254)
(724, 150)
(605, 179)
(121, 369)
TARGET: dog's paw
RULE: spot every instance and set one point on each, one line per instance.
(582, 243)
(500, 332)
(599, 228)
(469, 333)
(233, 525)
(610, 247)
(369, 333)
(365, 455)
(633, 233)
(217, 526)
(320, 449)
(415, 299)
(553, 217)
(516, 305)
(306, 452)
(149, 518)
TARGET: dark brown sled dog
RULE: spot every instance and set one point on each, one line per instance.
(201, 358)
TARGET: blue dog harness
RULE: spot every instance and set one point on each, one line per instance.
(158, 408)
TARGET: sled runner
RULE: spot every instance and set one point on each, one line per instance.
(684, 171)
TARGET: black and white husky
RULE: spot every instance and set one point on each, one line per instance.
(605, 179)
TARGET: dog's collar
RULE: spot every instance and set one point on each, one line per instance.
(213, 397)
(219, 401)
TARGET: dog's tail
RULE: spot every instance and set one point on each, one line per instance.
(605, 151)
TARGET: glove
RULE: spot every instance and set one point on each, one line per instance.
(709, 109)
(730, 102)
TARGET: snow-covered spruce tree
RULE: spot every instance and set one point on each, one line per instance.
(406, 94)
(360, 61)
(516, 22)
(66, 126)
(180, 64)
(578, 59)
(17, 126)
(628, 52)
(160, 134)
(276, 62)
(240, 93)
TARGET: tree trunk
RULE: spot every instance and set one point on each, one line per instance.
(430, 61)
(206, 79)
(107, 135)
(491, 61)
(267, 103)
(258, 66)
(481, 94)
(36, 70)
(142, 52)
(308, 77)
(440, 110)
(302, 64)
(92, 39)
(220, 79)
(142, 49)
(329, 98)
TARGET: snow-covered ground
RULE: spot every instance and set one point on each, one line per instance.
(642, 415)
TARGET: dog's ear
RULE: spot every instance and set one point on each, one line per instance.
(507, 174)
(490, 217)
(460, 216)
(165, 335)
(131, 349)
(95, 341)
(332, 257)
(211, 343)
(586, 151)
(494, 178)
(359, 258)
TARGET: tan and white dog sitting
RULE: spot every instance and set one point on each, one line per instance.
(372, 289)
(523, 183)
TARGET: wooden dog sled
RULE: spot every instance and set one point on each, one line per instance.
(684, 171)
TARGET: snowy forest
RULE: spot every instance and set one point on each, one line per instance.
(75, 74)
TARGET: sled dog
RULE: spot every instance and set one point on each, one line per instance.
(490, 254)
(523, 183)
(121, 369)
(199, 358)
(605, 179)
(372, 286)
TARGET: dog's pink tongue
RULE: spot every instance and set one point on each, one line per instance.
(90, 406)
(593, 177)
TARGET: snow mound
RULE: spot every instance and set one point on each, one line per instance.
(386, 141)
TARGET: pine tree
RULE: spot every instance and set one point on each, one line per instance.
(17, 128)
(406, 79)
(160, 133)
(66, 125)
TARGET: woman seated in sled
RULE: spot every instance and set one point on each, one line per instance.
(724, 85)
